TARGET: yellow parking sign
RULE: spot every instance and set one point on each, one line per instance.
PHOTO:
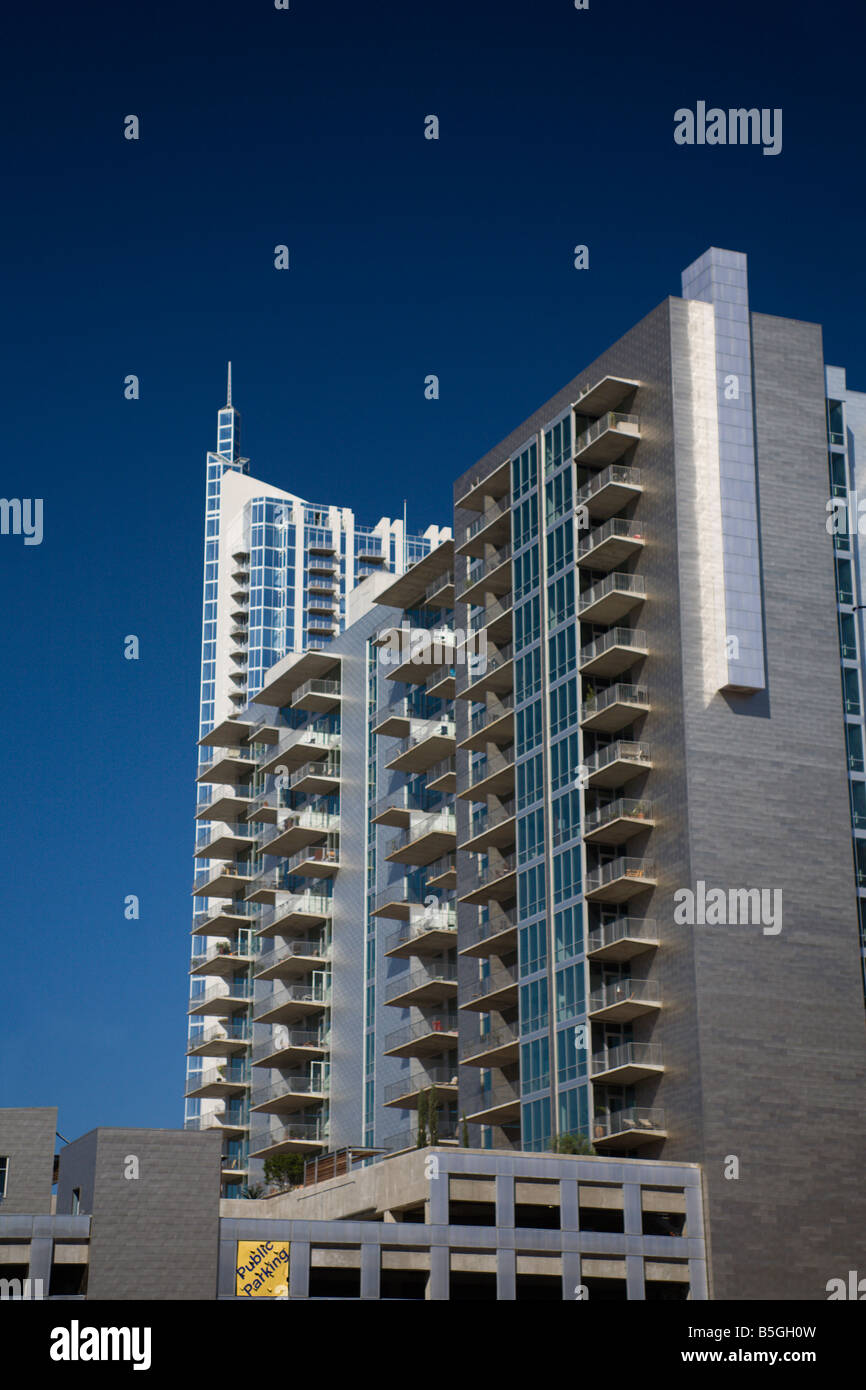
(262, 1269)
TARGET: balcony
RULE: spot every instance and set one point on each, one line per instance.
(615, 708)
(495, 483)
(317, 696)
(609, 491)
(317, 778)
(287, 1094)
(400, 900)
(295, 958)
(609, 546)
(299, 829)
(220, 1040)
(498, 990)
(495, 673)
(419, 652)
(222, 881)
(620, 880)
(492, 527)
(497, 1048)
(227, 766)
(498, 1105)
(220, 960)
(230, 732)
(612, 598)
(612, 653)
(622, 939)
(622, 1000)
(627, 1063)
(629, 1127)
(495, 724)
(491, 576)
(229, 807)
(420, 988)
(300, 746)
(607, 439)
(395, 720)
(617, 763)
(429, 742)
(318, 861)
(492, 828)
(442, 776)
(397, 807)
(498, 879)
(616, 822)
(219, 1000)
(495, 619)
(218, 1082)
(442, 873)
(425, 581)
(426, 1038)
(494, 776)
(225, 919)
(406, 1139)
(225, 844)
(287, 1047)
(431, 932)
(299, 912)
(496, 936)
(292, 1001)
(403, 1094)
(428, 837)
(605, 395)
(300, 1136)
(233, 1124)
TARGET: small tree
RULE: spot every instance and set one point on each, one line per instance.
(572, 1144)
(254, 1191)
(422, 1120)
(285, 1170)
(433, 1115)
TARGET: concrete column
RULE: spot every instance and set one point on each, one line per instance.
(370, 1270)
(632, 1214)
(570, 1274)
(505, 1201)
(440, 1263)
(569, 1219)
(506, 1274)
(299, 1273)
(41, 1256)
(634, 1285)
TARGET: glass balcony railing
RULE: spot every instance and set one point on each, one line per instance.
(627, 1054)
(614, 473)
(619, 583)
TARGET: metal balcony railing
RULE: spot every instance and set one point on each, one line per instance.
(614, 473)
(622, 750)
(615, 810)
(640, 928)
(621, 693)
(629, 1118)
(612, 420)
(620, 991)
(615, 528)
(627, 1054)
(622, 867)
(441, 1023)
(416, 979)
(619, 582)
(420, 1081)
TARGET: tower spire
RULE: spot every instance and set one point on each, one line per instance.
(229, 389)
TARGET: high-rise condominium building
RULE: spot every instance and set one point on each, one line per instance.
(555, 836)
(278, 574)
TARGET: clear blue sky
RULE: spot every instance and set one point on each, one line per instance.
(261, 127)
